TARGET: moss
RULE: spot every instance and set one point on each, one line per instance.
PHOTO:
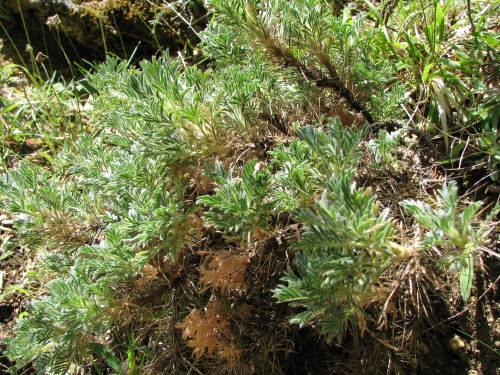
(91, 29)
(132, 18)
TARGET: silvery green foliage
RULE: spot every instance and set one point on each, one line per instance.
(57, 328)
(385, 147)
(224, 45)
(202, 106)
(453, 230)
(306, 165)
(299, 176)
(111, 202)
(347, 243)
(307, 37)
(242, 205)
(346, 247)
(245, 204)
(101, 220)
(115, 199)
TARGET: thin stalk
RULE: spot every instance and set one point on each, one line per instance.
(13, 44)
(59, 43)
(103, 37)
(46, 49)
(473, 27)
(25, 28)
(120, 36)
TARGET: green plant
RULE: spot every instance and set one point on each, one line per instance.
(204, 107)
(41, 116)
(298, 178)
(346, 247)
(385, 146)
(305, 165)
(108, 205)
(438, 67)
(101, 230)
(58, 328)
(326, 50)
(135, 245)
(453, 230)
(241, 205)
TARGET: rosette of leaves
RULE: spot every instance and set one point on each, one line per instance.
(385, 147)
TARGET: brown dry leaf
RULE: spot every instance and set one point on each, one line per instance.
(390, 307)
(191, 323)
(209, 332)
(226, 271)
(230, 352)
(205, 341)
(124, 310)
(200, 331)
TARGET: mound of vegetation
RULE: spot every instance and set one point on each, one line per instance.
(317, 196)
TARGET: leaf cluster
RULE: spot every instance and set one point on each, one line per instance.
(240, 205)
(453, 230)
(346, 247)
